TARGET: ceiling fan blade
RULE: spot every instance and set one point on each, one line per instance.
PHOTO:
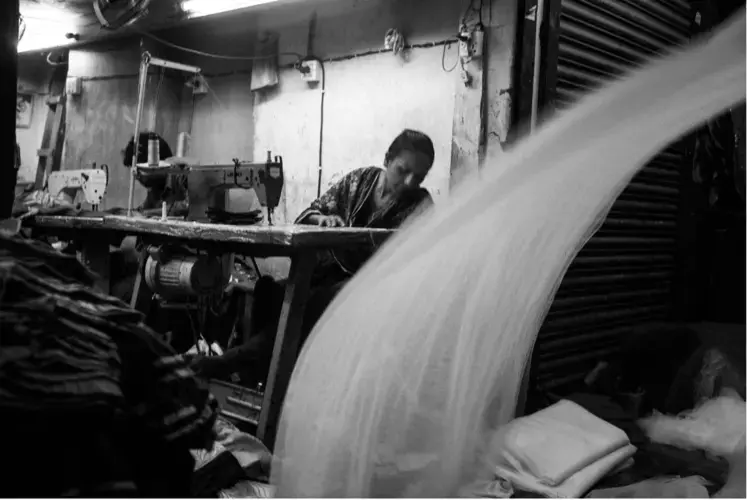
(117, 14)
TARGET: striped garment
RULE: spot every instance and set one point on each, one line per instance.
(70, 351)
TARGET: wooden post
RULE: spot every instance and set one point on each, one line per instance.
(9, 10)
(287, 343)
(50, 154)
(467, 131)
(501, 59)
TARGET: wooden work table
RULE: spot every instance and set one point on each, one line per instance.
(94, 234)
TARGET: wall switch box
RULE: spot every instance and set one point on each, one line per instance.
(199, 85)
(311, 73)
(73, 85)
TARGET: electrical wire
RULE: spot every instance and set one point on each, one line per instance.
(195, 333)
(55, 63)
(472, 9)
(211, 55)
(156, 99)
(321, 118)
(192, 114)
(443, 60)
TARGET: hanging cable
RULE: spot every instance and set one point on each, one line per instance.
(472, 9)
(214, 56)
(55, 63)
(192, 114)
(321, 117)
(443, 59)
(156, 99)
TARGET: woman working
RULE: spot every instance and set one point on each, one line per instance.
(372, 197)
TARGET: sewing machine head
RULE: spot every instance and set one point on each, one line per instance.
(239, 188)
(91, 183)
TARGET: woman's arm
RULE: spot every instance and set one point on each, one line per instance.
(330, 203)
(312, 219)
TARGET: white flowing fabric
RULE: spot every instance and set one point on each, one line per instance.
(420, 357)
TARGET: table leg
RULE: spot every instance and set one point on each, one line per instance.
(142, 296)
(286, 347)
(94, 253)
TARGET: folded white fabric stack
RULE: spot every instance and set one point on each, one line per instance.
(559, 452)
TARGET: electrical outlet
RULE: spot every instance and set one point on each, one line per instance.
(73, 86)
(464, 51)
(476, 43)
(199, 85)
(465, 40)
(310, 73)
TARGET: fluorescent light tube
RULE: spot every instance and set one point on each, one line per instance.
(202, 8)
(46, 27)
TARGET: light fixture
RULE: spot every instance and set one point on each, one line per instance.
(202, 8)
(46, 27)
(40, 36)
(39, 43)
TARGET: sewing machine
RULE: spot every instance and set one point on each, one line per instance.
(91, 183)
(242, 187)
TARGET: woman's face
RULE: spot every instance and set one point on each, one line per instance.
(406, 171)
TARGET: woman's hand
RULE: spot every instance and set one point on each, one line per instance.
(330, 221)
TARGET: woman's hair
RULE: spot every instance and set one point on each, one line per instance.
(142, 157)
(410, 140)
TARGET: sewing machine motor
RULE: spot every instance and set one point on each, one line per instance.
(173, 273)
(235, 189)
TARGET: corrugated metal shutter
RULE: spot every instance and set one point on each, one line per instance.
(624, 275)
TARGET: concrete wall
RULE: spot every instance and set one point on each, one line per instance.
(369, 99)
(370, 96)
(34, 77)
(100, 121)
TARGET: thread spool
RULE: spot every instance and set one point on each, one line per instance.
(182, 145)
(154, 154)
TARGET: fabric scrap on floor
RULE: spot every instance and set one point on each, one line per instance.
(716, 426)
(651, 459)
(235, 458)
(661, 487)
(249, 489)
(497, 488)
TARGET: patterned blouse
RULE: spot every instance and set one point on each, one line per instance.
(351, 199)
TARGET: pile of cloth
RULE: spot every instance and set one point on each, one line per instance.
(589, 445)
(93, 402)
(559, 452)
